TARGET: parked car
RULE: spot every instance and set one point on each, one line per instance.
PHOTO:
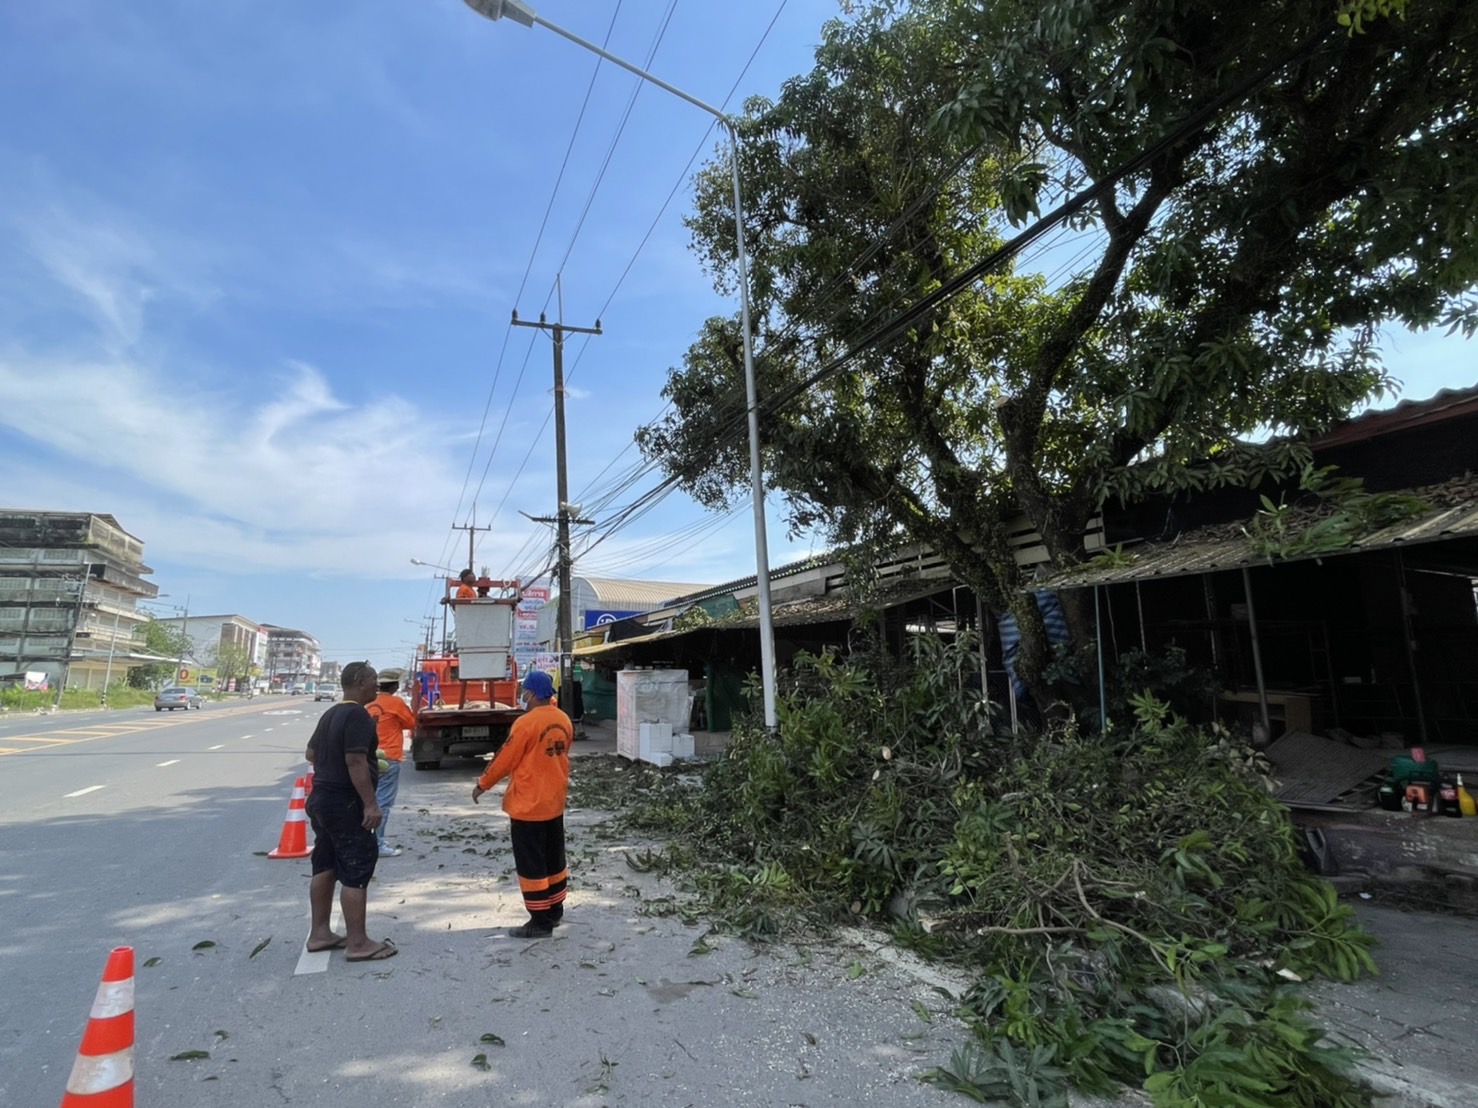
(176, 696)
(298, 690)
(325, 691)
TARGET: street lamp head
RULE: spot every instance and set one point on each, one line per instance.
(515, 10)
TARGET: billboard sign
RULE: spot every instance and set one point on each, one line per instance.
(598, 617)
(532, 597)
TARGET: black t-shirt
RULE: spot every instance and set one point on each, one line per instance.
(343, 729)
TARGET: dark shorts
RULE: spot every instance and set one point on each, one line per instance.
(341, 842)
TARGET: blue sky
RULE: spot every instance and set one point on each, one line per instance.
(256, 268)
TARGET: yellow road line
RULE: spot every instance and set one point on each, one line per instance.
(74, 736)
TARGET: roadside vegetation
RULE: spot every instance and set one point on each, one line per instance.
(1132, 906)
(119, 696)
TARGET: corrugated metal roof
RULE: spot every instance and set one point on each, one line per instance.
(624, 595)
(1454, 514)
(797, 613)
(1404, 416)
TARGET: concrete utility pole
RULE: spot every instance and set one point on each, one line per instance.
(558, 330)
(72, 638)
(112, 647)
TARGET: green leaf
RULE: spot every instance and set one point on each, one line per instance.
(489, 1037)
(189, 1056)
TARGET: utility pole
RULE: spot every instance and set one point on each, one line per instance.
(112, 646)
(72, 638)
(558, 330)
(471, 529)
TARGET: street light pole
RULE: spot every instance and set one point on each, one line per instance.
(522, 13)
(184, 639)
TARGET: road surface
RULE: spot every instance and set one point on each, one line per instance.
(131, 828)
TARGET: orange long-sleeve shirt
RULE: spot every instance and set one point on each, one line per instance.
(393, 718)
(536, 761)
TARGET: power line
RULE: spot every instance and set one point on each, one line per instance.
(533, 253)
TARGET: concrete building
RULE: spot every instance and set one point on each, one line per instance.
(209, 634)
(70, 583)
(293, 657)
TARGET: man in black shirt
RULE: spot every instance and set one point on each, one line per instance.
(344, 814)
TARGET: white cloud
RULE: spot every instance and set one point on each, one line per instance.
(303, 480)
(107, 266)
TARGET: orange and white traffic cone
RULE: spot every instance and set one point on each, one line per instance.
(102, 1076)
(293, 842)
(308, 784)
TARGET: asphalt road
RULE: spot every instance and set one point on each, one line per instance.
(149, 831)
(133, 828)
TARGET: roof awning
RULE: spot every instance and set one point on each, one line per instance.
(1227, 546)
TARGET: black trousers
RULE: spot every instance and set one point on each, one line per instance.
(539, 857)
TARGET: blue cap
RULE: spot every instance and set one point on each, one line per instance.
(539, 683)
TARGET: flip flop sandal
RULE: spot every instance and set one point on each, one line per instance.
(385, 950)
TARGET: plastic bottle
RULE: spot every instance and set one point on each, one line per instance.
(1465, 799)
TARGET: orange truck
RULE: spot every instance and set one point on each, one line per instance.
(465, 698)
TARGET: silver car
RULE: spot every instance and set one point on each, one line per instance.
(176, 696)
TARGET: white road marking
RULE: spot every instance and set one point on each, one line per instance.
(215, 747)
(246, 736)
(316, 961)
(84, 792)
(171, 762)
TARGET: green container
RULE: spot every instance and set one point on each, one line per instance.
(1407, 771)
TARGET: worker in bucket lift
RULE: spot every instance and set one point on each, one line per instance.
(467, 590)
(536, 761)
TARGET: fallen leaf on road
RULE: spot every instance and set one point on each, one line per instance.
(261, 946)
(745, 993)
(855, 970)
(152, 962)
(189, 1056)
(222, 1035)
(480, 1062)
(496, 1040)
(204, 944)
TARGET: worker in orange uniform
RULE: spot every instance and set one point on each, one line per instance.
(393, 718)
(536, 761)
(467, 590)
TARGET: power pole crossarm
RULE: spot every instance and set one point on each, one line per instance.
(558, 330)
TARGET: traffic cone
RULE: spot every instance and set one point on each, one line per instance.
(102, 1075)
(293, 843)
(308, 784)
